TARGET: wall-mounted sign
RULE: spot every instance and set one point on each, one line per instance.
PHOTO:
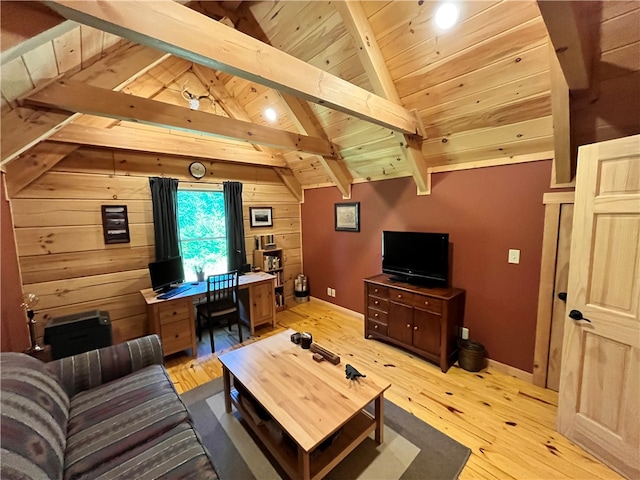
(115, 224)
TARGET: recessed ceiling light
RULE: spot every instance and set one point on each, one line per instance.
(447, 16)
(270, 114)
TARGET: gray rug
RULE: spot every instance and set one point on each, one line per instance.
(411, 448)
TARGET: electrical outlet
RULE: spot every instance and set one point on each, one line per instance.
(333, 292)
(328, 291)
(464, 333)
(514, 256)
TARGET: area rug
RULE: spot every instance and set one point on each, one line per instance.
(411, 448)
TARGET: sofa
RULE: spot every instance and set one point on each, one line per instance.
(108, 413)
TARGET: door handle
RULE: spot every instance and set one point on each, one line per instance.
(577, 316)
(563, 296)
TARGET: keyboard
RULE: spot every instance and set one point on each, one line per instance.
(174, 291)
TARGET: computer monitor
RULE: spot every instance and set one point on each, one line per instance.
(164, 273)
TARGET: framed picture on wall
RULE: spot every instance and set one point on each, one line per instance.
(115, 224)
(347, 217)
(261, 216)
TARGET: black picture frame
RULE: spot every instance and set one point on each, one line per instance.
(115, 224)
(260, 217)
(347, 217)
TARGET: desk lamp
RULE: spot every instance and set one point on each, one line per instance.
(30, 300)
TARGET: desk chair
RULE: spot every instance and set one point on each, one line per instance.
(222, 301)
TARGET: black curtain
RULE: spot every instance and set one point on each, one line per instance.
(237, 255)
(164, 198)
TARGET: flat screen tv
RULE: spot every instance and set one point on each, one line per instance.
(164, 273)
(417, 257)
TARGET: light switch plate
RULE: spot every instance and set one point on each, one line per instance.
(514, 256)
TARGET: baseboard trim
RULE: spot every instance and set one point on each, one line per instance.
(509, 370)
(338, 307)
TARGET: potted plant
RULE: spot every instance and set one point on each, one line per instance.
(199, 269)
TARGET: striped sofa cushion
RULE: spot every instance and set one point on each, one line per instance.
(176, 454)
(35, 411)
(109, 420)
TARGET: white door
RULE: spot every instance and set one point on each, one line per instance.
(599, 397)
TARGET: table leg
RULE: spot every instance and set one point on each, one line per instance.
(304, 468)
(226, 375)
(379, 418)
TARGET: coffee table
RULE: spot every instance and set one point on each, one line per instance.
(310, 401)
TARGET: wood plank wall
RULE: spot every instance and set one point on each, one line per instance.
(611, 108)
(62, 255)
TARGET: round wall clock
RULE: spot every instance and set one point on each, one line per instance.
(197, 170)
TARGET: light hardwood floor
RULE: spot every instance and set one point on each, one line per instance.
(509, 424)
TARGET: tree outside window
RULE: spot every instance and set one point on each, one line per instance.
(202, 233)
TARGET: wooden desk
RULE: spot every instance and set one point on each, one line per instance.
(174, 319)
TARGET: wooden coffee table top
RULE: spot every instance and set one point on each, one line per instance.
(310, 400)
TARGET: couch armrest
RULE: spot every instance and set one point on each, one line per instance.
(88, 370)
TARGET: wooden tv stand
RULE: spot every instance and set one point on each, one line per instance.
(423, 320)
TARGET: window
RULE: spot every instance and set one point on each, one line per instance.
(202, 232)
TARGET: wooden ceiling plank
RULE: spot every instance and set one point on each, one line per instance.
(148, 141)
(41, 64)
(68, 49)
(22, 128)
(374, 64)
(563, 165)
(162, 25)
(91, 39)
(572, 28)
(37, 161)
(234, 110)
(78, 97)
(336, 167)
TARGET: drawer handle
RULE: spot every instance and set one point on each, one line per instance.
(375, 326)
(399, 295)
(376, 302)
(415, 328)
(426, 302)
(408, 325)
(376, 314)
(375, 290)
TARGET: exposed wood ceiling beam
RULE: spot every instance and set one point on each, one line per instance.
(174, 28)
(127, 138)
(572, 27)
(370, 55)
(564, 164)
(77, 97)
(335, 167)
(235, 110)
(22, 128)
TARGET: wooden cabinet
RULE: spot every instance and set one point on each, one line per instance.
(262, 304)
(174, 322)
(423, 320)
(272, 261)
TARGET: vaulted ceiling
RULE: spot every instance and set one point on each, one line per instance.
(362, 90)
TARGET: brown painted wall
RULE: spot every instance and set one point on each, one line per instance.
(14, 335)
(486, 211)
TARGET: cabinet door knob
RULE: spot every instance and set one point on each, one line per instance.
(375, 326)
(376, 302)
(408, 325)
(375, 290)
(376, 315)
(415, 328)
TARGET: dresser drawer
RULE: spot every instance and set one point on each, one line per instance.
(377, 315)
(173, 312)
(400, 296)
(377, 327)
(379, 303)
(429, 304)
(378, 291)
(177, 336)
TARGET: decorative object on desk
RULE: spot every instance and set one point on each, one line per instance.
(261, 216)
(115, 224)
(295, 338)
(347, 217)
(30, 300)
(352, 373)
(199, 270)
